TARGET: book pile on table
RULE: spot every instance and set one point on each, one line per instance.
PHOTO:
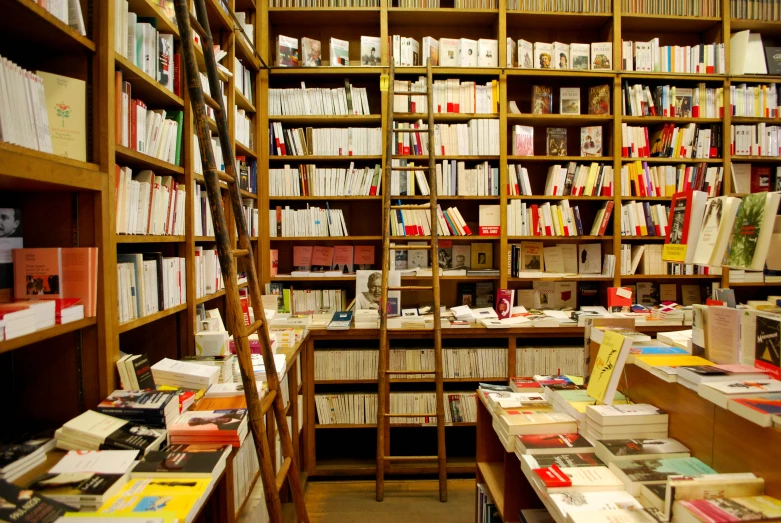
(625, 422)
(153, 408)
(95, 431)
(183, 461)
(25, 317)
(259, 367)
(224, 363)
(182, 498)
(184, 374)
(367, 319)
(210, 426)
(18, 459)
(185, 397)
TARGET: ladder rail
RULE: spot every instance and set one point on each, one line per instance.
(226, 254)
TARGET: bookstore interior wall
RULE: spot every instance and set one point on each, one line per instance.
(564, 162)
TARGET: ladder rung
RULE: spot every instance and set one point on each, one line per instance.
(413, 415)
(223, 176)
(410, 247)
(196, 25)
(411, 458)
(251, 329)
(405, 168)
(211, 102)
(404, 207)
(410, 93)
(410, 130)
(267, 402)
(282, 474)
(410, 372)
(240, 252)
(412, 288)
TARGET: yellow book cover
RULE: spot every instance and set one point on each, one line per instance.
(181, 506)
(66, 105)
(562, 222)
(769, 507)
(678, 143)
(672, 361)
(166, 486)
(610, 361)
(592, 178)
(138, 517)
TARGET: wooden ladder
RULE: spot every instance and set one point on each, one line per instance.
(383, 374)
(257, 409)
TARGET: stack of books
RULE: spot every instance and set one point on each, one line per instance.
(223, 363)
(154, 408)
(210, 426)
(184, 374)
(18, 459)
(183, 462)
(95, 431)
(259, 367)
(607, 422)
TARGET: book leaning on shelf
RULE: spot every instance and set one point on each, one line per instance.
(669, 141)
(548, 219)
(317, 101)
(450, 96)
(673, 101)
(313, 221)
(757, 101)
(149, 283)
(309, 180)
(148, 204)
(348, 141)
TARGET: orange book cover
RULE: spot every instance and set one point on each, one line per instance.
(79, 271)
(322, 256)
(38, 273)
(232, 402)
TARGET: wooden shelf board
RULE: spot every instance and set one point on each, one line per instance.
(134, 324)
(243, 150)
(647, 198)
(412, 380)
(314, 279)
(209, 297)
(753, 78)
(567, 73)
(218, 19)
(446, 238)
(402, 16)
(393, 425)
(129, 157)
(27, 22)
(632, 277)
(443, 117)
(330, 16)
(694, 77)
(366, 467)
(574, 278)
(631, 22)
(243, 102)
(465, 158)
(422, 198)
(327, 119)
(327, 238)
(310, 159)
(755, 26)
(753, 284)
(149, 8)
(45, 334)
(667, 119)
(442, 71)
(323, 198)
(493, 477)
(535, 19)
(145, 87)
(674, 160)
(204, 239)
(452, 278)
(560, 238)
(560, 158)
(246, 53)
(327, 70)
(641, 239)
(559, 119)
(148, 238)
(26, 169)
(551, 197)
(247, 194)
(753, 120)
(760, 159)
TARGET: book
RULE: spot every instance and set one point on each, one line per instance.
(773, 58)
(525, 54)
(556, 141)
(370, 51)
(180, 497)
(720, 392)
(341, 321)
(759, 409)
(631, 449)
(505, 299)
(523, 140)
(569, 100)
(543, 56)
(149, 407)
(467, 52)
(183, 461)
(487, 53)
(542, 99)
(516, 422)
(579, 56)
(287, 51)
(311, 52)
(586, 459)
(227, 426)
(535, 444)
(601, 56)
(686, 214)
(23, 506)
(750, 240)
(66, 105)
(95, 431)
(587, 479)
(631, 414)
(11, 237)
(489, 220)
(634, 473)
(532, 256)
(608, 365)
(591, 141)
(570, 503)
(339, 52)
(720, 214)
(599, 100)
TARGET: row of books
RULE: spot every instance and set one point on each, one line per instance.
(317, 301)
(569, 100)
(556, 143)
(219, 162)
(673, 101)
(243, 78)
(755, 140)
(644, 219)
(476, 137)
(476, 256)
(451, 95)
(242, 129)
(203, 224)
(157, 133)
(640, 179)
(582, 259)
(148, 204)
(449, 52)
(755, 101)
(549, 360)
(361, 409)
(361, 364)
(677, 8)
(20, 318)
(349, 141)
(313, 221)
(149, 283)
(319, 101)
(548, 219)
(208, 275)
(454, 179)
(413, 222)
(325, 3)
(651, 57)
(669, 141)
(558, 55)
(309, 180)
(768, 11)
(207, 89)
(316, 260)
(561, 6)
(137, 39)
(574, 180)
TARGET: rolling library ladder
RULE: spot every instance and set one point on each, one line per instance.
(383, 374)
(272, 481)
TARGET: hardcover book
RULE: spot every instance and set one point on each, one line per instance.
(599, 100)
(311, 52)
(752, 231)
(542, 99)
(556, 141)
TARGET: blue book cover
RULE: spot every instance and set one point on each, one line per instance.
(661, 350)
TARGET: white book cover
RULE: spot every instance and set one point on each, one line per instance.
(543, 56)
(448, 52)
(596, 478)
(525, 55)
(487, 53)
(512, 53)
(94, 425)
(569, 100)
(574, 501)
(561, 55)
(467, 52)
(370, 50)
(602, 56)
(340, 52)
(736, 388)
(579, 56)
(590, 258)
(430, 51)
(185, 370)
(95, 461)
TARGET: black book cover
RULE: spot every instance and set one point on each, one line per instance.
(143, 372)
(589, 293)
(75, 485)
(173, 459)
(706, 370)
(773, 55)
(22, 506)
(767, 343)
(157, 257)
(466, 294)
(10, 454)
(131, 437)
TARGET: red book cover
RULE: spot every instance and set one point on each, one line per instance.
(467, 230)
(504, 303)
(619, 297)
(680, 216)
(555, 441)
(302, 256)
(525, 384)
(553, 477)
(364, 254)
(760, 178)
(450, 107)
(322, 256)
(274, 253)
(535, 220)
(133, 124)
(605, 218)
(646, 143)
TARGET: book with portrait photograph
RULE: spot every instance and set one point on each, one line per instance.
(461, 257)
(542, 99)
(482, 256)
(543, 56)
(10, 239)
(466, 294)
(311, 52)
(370, 50)
(368, 289)
(445, 254)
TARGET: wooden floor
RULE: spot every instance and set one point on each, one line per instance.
(411, 501)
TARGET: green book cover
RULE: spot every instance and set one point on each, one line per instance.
(745, 232)
(178, 117)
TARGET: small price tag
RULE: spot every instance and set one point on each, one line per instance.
(384, 81)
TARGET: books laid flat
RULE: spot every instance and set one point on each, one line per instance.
(17, 459)
(18, 504)
(180, 497)
(567, 502)
(210, 426)
(632, 414)
(553, 444)
(85, 490)
(151, 407)
(760, 409)
(562, 460)
(182, 373)
(183, 461)
(643, 471)
(588, 479)
(516, 422)
(720, 392)
(631, 449)
(95, 431)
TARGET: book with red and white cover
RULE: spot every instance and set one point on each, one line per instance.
(504, 303)
(525, 384)
(553, 444)
(209, 426)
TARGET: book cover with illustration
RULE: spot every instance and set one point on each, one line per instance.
(591, 141)
(768, 345)
(599, 100)
(542, 99)
(556, 141)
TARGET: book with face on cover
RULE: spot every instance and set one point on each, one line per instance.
(602, 55)
(24, 506)
(556, 141)
(591, 141)
(610, 450)
(96, 431)
(311, 52)
(370, 50)
(183, 461)
(542, 99)
(543, 56)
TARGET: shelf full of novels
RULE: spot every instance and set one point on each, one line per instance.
(51, 189)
